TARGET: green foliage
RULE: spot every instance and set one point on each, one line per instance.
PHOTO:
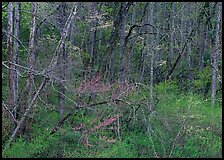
(202, 81)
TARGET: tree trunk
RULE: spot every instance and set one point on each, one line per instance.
(129, 53)
(11, 88)
(181, 44)
(214, 55)
(69, 64)
(31, 64)
(203, 46)
(150, 40)
(157, 45)
(112, 62)
(62, 59)
(16, 50)
(189, 49)
(170, 56)
(121, 72)
(93, 30)
(144, 57)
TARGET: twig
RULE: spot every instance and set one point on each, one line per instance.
(11, 114)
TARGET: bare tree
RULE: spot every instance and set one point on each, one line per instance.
(16, 49)
(215, 53)
(11, 98)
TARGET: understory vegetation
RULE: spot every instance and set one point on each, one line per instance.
(182, 125)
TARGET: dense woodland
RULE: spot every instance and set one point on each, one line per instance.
(111, 79)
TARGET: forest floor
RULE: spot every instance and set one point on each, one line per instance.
(180, 125)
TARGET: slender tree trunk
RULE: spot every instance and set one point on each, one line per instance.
(112, 62)
(181, 44)
(99, 47)
(144, 55)
(170, 57)
(203, 47)
(144, 58)
(121, 72)
(100, 36)
(93, 32)
(214, 55)
(31, 63)
(61, 85)
(16, 51)
(11, 86)
(150, 40)
(129, 53)
(69, 64)
(62, 59)
(157, 45)
(189, 49)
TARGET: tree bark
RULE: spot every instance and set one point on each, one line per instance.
(31, 63)
(112, 62)
(157, 45)
(93, 32)
(61, 62)
(16, 50)
(189, 49)
(170, 56)
(69, 64)
(181, 44)
(11, 89)
(150, 40)
(214, 55)
(121, 71)
(130, 52)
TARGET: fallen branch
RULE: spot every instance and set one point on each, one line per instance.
(59, 124)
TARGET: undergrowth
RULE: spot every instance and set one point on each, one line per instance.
(182, 125)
